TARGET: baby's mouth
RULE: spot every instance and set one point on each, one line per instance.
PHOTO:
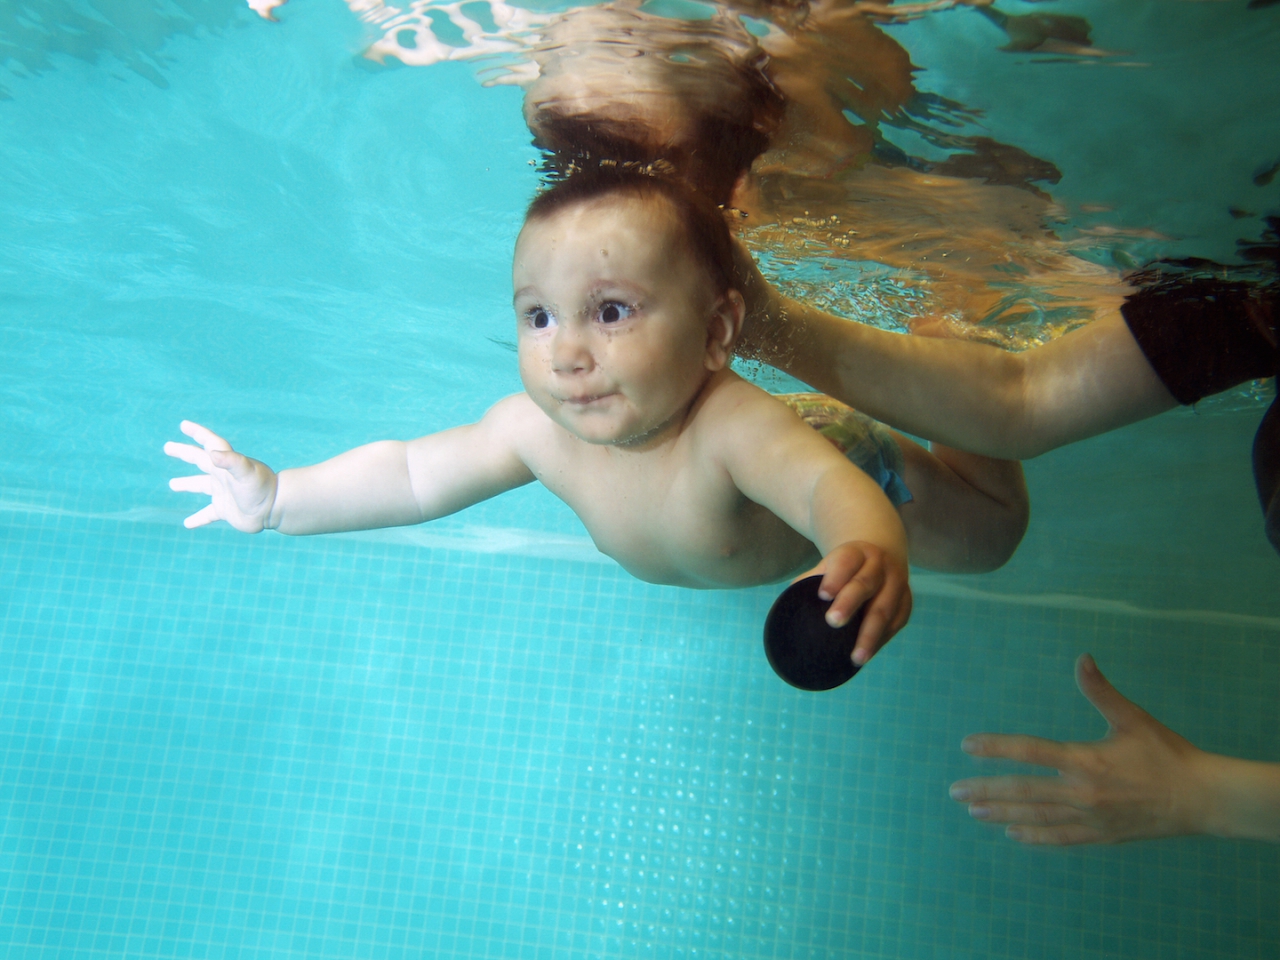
(585, 400)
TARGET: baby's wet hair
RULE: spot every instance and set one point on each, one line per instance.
(702, 222)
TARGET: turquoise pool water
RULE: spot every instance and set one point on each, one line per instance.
(481, 739)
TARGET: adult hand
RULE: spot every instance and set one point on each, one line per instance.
(243, 490)
(1140, 781)
(761, 327)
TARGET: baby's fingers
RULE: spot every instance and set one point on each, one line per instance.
(237, 464)
(200, 483)
(849, 579)
(886, 614)
(189, 454)
(203, 436)
(201, 518)
(215, 458)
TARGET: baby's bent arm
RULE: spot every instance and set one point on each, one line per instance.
(784, 465)
(781, 463)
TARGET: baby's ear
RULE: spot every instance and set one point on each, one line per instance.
(724, 326)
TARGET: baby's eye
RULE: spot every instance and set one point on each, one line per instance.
(539, 318)
(611, 311)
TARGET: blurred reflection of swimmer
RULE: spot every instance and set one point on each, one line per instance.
(1182, 336)
(1140, 782)
(804, 92)
(788, 129)
(780, 109)
(710, 96)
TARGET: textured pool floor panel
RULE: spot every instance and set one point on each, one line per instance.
(220, 746)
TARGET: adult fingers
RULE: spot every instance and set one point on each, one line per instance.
(202, 517)
(200, 483)
(1119, 711)
(1017, 746)
(1026, 814)
(1011, 790)
(1065, 835)
(189, 454)
(203, 436)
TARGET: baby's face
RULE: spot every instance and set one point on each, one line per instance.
(613, 318)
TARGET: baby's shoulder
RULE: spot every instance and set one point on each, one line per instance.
(734, 400)
(518, 421)
(737, 412)
(518, 409)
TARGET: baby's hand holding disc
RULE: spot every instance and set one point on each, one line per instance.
(802, 647)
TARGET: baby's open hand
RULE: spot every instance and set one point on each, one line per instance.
(243, 490)
(855, 573)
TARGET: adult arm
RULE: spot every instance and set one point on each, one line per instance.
(967, 395)
(1141, 781)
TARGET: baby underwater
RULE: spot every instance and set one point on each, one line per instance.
(682, 472)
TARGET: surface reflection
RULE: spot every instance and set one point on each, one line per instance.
(34, 35)
(783, 112)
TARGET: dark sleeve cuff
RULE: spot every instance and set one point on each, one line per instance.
(1203, 335)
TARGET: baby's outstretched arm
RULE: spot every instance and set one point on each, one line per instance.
(383, 484)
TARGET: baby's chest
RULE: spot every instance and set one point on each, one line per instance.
(676, 526)
(654, 508)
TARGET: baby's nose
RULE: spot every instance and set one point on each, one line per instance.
(570, 353)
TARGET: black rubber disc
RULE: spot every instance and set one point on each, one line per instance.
(802, 649)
